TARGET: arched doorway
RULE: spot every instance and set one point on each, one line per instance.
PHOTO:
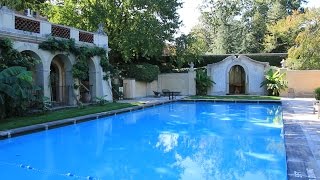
(61, 81)
(237, 80)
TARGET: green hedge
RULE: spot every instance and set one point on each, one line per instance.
(143, 72)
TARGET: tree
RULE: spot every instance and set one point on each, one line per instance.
(188, 49)
(304, 54)
(299, 35)
(22, 4)
(237, 26)
(135, 28)
(282, 34)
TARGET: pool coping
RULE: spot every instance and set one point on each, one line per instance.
(75, 120)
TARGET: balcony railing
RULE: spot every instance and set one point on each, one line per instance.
(22, 26)
(85, 37)
(59, 31)
(25, 24)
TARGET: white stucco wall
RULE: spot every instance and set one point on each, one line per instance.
(181, 82)
(254, 70)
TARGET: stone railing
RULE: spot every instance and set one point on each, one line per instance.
(36, 29)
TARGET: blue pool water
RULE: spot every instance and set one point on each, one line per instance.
(173, 141)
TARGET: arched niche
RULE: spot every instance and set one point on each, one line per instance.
(61, 80)
(241, 85)
(237, 80)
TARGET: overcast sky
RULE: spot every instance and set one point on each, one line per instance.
(189, 13)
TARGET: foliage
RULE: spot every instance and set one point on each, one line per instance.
(282, 33)
(16, 91)
(52, 44)
(237, 26)
(83, 54)
(304, 54)
(135, 28)
(101, 100)
(203, 82)
(274, 82)
(46, 104)
(187, 50)
(317, 93)
(11, 57)
(22, 4)
(143, 72)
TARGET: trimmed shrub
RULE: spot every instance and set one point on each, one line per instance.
(143, 72)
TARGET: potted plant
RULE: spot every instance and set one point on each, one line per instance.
(203, 82)
(274, 82)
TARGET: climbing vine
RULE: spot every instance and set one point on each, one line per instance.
(11, 57)
(80, 69)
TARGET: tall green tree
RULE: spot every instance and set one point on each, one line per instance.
(135, 28)
(22, 4)
(304, 54)
(188, 49)
(240, 26)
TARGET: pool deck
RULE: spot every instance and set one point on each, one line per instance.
(301, 131)
(302, 138)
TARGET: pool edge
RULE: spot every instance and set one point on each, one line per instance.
(75, 120)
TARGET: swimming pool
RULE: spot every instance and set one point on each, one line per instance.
(181, 140)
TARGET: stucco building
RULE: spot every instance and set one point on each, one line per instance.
(54, 72)
(237, 75)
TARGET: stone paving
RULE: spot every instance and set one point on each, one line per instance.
(302, 138)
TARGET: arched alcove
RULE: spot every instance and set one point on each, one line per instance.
(37, 69)
(60, 80)
(237, 80)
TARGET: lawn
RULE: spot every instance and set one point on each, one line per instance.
(234, 97)
(16, 122)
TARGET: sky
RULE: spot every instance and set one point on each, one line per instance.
(189, 13)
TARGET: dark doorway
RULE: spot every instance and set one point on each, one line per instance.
(237, 80)
(54, 82)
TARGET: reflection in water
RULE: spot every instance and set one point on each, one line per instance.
(173, 141)
(168, 141)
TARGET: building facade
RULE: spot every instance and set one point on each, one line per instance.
(237, 75)
(53, 73)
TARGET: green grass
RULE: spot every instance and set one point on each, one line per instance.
(16, 122)
(234, 97)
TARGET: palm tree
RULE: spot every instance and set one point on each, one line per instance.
(274, 82)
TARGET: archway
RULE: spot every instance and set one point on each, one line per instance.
(237, 80)
(36, 69)
(61, 81)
